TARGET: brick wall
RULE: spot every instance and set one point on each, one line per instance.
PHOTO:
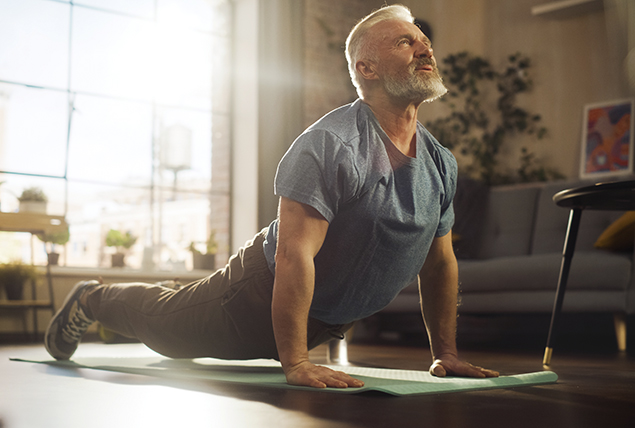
(327, 24)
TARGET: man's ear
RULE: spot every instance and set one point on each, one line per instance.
(366, 69)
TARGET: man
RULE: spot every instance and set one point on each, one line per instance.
(365, 199)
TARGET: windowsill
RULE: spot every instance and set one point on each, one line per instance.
(125, 273)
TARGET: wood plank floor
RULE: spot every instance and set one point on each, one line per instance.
(596, 388)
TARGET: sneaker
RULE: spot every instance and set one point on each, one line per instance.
(69, 324)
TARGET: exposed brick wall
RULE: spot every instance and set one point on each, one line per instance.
(327, 24)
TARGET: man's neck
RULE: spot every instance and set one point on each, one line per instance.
(399, 122)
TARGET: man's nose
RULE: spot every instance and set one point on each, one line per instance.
(423, 50)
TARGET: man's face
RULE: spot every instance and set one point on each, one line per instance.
(406, 64)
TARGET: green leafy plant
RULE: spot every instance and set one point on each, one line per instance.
(121, 241)
(211, 245)
(33, 194)
(13, 276)
(478, 126)
(55, 238)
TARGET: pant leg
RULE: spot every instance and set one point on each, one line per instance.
(226, 315)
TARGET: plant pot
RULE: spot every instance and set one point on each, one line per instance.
(37, 207)
(53, 259)
(14, 290)
(204, 261)
(117, 260)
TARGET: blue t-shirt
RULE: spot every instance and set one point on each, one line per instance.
(383, 207)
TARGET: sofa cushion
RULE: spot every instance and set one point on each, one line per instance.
(590, 270)
(470, 204)
(509, 221)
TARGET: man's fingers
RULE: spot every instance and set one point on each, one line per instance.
(321, 377)
(454, 367)
(342, 380)
(490, 373)
(477, 371)
(437, 370)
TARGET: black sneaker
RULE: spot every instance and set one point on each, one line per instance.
(69, 324)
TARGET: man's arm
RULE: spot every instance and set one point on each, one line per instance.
(438, 288)
(301, 233)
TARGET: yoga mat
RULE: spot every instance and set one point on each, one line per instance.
(268, 373)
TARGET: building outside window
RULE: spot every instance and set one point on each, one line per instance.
(118, 111)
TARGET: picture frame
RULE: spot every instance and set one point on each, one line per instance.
(607, 139)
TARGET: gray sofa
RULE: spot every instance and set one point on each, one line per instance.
(510, 253)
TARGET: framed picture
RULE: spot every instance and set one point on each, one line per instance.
(607, 139)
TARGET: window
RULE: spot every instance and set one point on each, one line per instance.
(119, 112)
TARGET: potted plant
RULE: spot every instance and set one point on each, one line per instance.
(33, 200)
(55, 238)
(207, 260)
(122, 242)
(13, 276)
(484, 118)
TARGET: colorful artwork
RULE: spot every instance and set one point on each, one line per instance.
(608, 139)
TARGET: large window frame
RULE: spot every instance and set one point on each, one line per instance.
(169, 190)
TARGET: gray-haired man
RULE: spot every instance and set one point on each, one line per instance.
(365, 207)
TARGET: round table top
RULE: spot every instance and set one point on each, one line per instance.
(618, 196)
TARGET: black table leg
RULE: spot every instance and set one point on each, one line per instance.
(567, 256)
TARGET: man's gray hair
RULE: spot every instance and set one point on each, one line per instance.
(357, 46)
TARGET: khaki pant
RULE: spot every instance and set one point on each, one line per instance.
(226, 315)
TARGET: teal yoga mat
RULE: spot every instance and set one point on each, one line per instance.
(268, 373)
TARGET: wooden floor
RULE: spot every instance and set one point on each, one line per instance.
(596, 388)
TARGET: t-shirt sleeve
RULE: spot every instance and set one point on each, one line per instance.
(449, 171)
(318, 170)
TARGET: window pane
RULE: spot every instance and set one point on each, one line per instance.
(186, 147)
(142, 91)
(201, 15)
(34, 128)
(14, 185)
(94, 209)
(140, 8)
(183, 74)
(34, 42)
(111, 141)
(112, 54)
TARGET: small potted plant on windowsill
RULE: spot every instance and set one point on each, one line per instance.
(207, 260)
(13, 276)
(33, 200)
(56, 238)
(122, 242)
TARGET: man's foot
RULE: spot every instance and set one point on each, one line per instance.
(69, 324)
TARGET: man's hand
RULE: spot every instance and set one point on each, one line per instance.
(308, 374)
(449, 364)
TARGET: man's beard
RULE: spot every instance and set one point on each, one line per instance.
(415, 87)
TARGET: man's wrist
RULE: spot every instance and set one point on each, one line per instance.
(441, 355)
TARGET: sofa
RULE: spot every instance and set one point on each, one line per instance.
(509, 243)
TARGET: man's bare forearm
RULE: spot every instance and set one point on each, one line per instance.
(439, 290)
(292, 294)
(438, 305)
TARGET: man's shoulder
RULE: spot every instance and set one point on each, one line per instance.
(341, 123)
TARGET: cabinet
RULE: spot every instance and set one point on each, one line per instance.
(32, 223)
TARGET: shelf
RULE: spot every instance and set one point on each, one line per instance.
(21, 304)
(567, 8)
(32, 223)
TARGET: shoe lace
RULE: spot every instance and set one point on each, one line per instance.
(77, 325)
